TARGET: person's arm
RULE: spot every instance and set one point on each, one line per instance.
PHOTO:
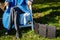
(29, 3)
(6, 4)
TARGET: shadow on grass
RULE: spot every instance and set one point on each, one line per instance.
(12, 32)
(45, 1)
(48, 18)
(45, 9)
(58, 33)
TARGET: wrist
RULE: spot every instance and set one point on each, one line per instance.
(6, 3)
(31, 0)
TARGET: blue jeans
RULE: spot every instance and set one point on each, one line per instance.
(14, 18)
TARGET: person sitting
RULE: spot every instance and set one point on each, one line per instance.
(15, 10)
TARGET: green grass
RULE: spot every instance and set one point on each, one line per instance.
(45, 13)
(26, 35)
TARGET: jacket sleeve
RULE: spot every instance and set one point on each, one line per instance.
(8, 0)
(31, 0)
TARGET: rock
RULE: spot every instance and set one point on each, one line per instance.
(42, 30)
(51, 33)
(36, 26)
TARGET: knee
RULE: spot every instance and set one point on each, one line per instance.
(12, 9)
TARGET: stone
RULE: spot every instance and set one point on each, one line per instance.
(36, 26)
(51, 33)
(42, 30)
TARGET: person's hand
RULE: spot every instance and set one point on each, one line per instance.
(7, 3)
(29, 2)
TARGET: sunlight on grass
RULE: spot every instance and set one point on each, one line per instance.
(38, 15)
(30, 35)
(40, 6)
(46, 5)
(46, 9)
(45, 13)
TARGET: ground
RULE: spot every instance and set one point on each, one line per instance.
(44, 13)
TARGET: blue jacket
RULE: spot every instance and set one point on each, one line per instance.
(22, 4)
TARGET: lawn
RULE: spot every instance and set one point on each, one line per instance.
(44, 13)
(26, 34)
(47, 13)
